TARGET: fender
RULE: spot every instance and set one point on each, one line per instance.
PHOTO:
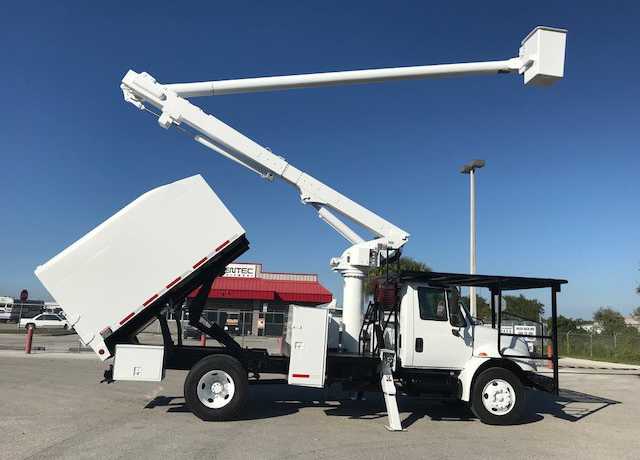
(477, 364)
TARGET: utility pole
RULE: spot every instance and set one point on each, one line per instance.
(470, 169)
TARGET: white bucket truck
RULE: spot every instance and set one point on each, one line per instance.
(414, 334)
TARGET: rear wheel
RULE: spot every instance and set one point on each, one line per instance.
(498, 397)
(216, 388)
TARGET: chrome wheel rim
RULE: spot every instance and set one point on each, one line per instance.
(498, 397)
(216, 389)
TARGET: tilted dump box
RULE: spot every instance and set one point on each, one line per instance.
(114, 280)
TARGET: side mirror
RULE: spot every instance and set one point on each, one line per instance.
(458, 321)
(455, 332)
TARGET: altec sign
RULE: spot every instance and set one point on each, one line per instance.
(241, 271)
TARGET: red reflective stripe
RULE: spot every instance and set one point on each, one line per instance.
(222, 245)
(151, 299)
(300, 376)
(174, 282)
(200, 262)
(126, 318)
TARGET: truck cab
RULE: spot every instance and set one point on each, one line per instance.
(440, 349)
(435, 330)
(438, 332)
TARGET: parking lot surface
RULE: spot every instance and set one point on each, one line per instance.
(52, 406)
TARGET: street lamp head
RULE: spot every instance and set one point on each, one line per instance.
(475, 164)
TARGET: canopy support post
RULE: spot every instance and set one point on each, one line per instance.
(554, 335)
(493, 309)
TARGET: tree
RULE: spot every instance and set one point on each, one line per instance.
(527, 308)
(611, 321)
(482, 306)
(406, 264)
(565, 324)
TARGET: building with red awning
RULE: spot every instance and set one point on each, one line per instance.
(250, 301)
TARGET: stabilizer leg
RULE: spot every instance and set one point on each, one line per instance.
(389, 390)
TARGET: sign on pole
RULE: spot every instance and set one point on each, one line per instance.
(525, 329)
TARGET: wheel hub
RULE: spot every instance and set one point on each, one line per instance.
(216, 389)
(498, 397)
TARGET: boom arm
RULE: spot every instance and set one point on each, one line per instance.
(541, 60)
(141, 89)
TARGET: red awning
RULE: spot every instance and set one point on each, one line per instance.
(265, 289)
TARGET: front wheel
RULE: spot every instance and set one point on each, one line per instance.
(216, 388)
(498, 397)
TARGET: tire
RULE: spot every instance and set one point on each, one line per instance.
(216, 388)
(498, 397)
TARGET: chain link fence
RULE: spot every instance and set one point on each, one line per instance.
(256, 329)
(252, 329)
(623, 347)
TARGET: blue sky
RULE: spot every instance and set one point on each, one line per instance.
(558, 197)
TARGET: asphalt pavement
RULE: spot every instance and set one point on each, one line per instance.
(52, 406)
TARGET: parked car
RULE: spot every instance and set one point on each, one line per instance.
(45, 321)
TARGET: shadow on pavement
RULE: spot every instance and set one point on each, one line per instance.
(172, 403)
(569, 405)
(265, 401)
(270, 401)
(373, 408)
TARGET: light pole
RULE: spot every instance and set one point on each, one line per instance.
(470, 169)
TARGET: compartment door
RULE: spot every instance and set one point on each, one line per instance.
(308, 346)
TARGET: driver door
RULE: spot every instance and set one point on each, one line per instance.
(442, 340)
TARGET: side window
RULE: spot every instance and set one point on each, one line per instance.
(432, 304)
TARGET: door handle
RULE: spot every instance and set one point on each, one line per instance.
(419, 345)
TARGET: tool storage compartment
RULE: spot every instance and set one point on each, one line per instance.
(143, 363)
